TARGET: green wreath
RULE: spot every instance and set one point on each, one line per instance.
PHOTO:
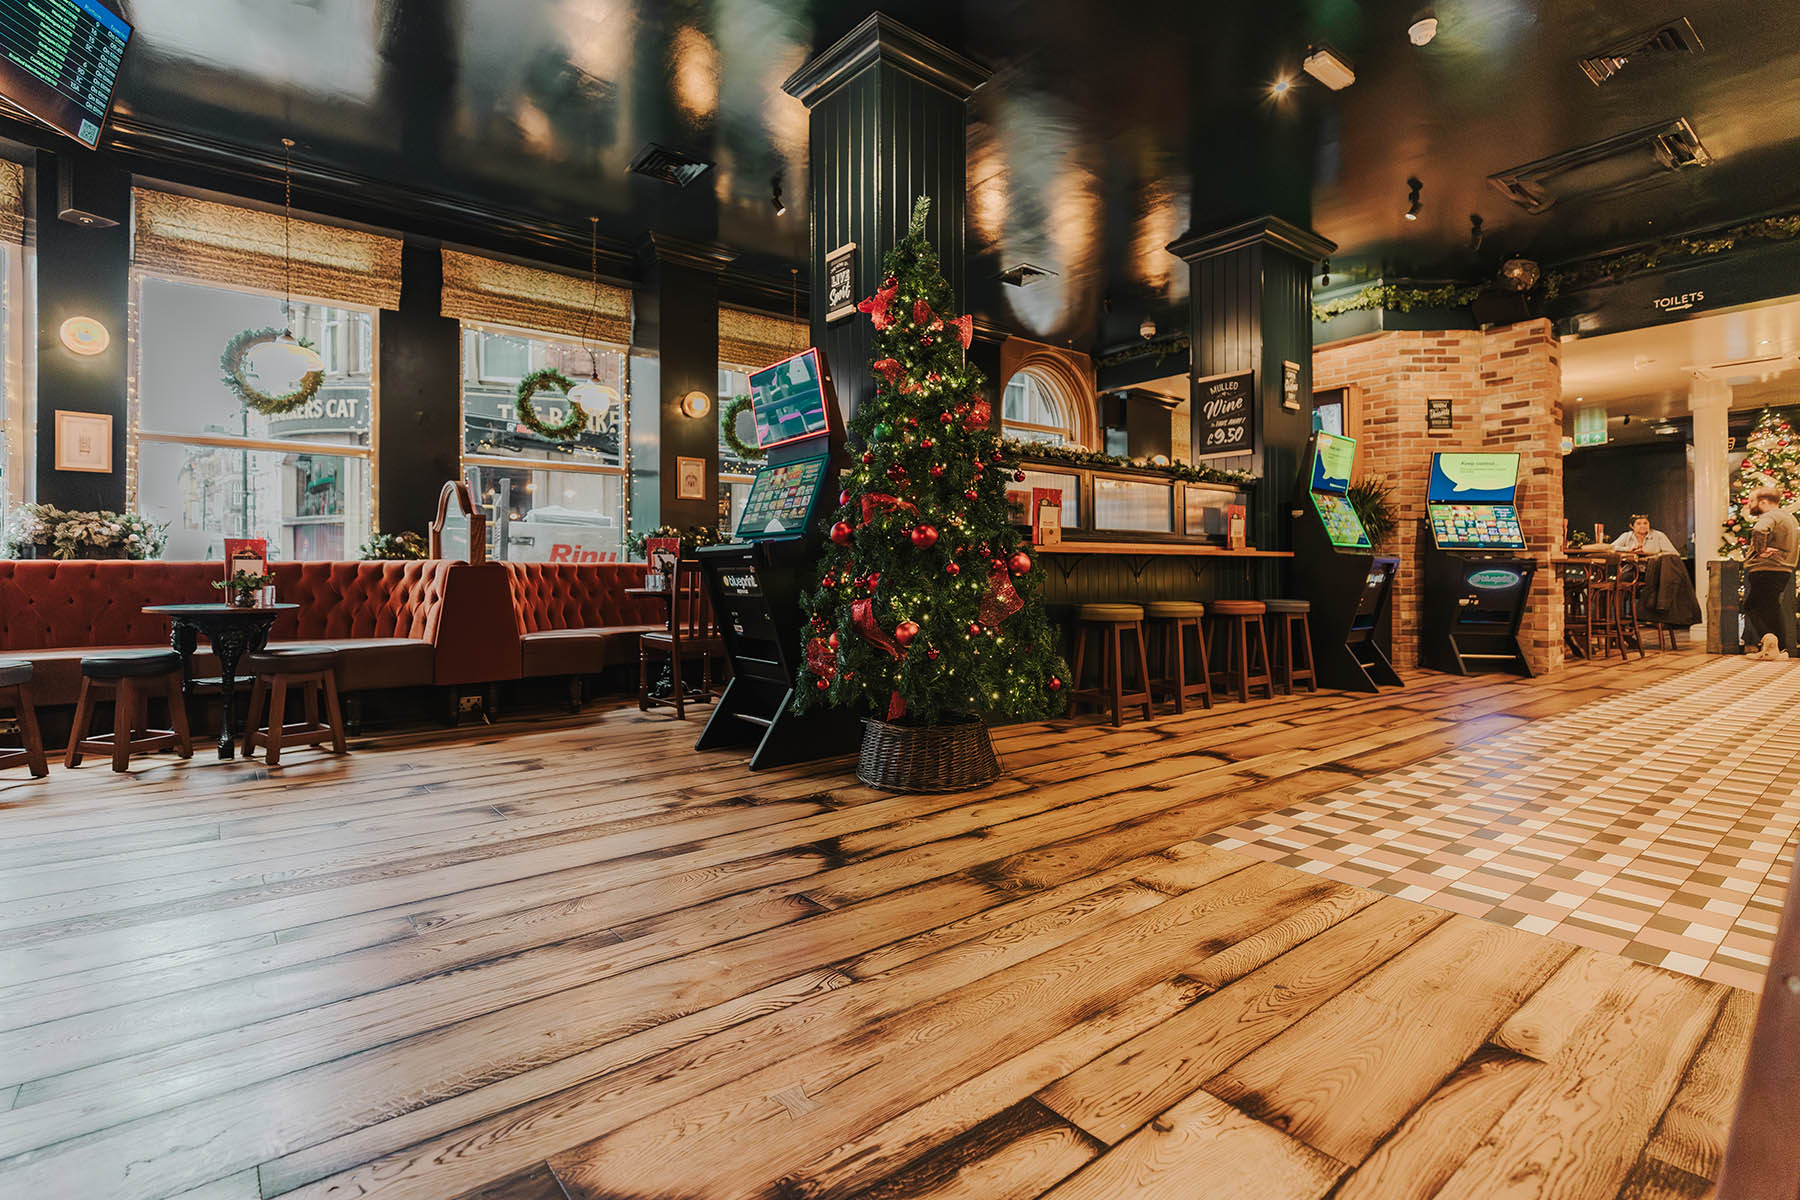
(531, 385)
(728, 417)
(236, 362)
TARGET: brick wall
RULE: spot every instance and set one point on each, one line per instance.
(1505, 386)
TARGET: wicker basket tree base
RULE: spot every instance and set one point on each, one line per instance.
(955, 756)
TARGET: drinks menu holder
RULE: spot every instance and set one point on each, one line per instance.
(1046, 516)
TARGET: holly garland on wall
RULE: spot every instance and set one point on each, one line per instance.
(1773, 461)
(928, 607)
(571, 425)
(236, 363)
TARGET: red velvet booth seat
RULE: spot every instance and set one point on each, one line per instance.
(575, 618)
(390, 620)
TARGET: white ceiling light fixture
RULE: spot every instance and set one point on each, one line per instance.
(1147, 329)
(285, 361)
(595, 398)
(1324, 64)
(1424, 27)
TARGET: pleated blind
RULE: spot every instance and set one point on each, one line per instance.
(754, 340)
(492, 292)
(242, 247)
(12, 201)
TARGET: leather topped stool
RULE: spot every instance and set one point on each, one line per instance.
(313, 671)
(1111, 622)
(15, 690)
(1169, 622)
(1246, 658)
(131, 678)
(1291, 618)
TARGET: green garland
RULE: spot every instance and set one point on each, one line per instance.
(531, 385)
(235, 362)
(1070, 456)
(1394, 297)
(1159, 350)
(693, 537)
(728, 417)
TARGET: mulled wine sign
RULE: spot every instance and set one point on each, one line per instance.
(1223, 415)
(840, 282)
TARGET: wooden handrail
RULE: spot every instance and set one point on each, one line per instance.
(465, 500)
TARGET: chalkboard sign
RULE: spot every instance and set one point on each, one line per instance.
(1222, 415)
(1439, 412)
(840, 282)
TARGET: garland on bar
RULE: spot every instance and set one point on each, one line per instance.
(1159, 350)
(236, 364)
(571, 426)
(728, 419)
(1395, 297)
(1070, 456)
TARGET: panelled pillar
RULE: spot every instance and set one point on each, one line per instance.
(421, 435)
(889, 123)
(1710, 402)
(683, 328)
(1251, 310)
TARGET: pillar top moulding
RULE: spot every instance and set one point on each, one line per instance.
(1303, 244)
(1706, 392)
(881, 39)
(679, 252)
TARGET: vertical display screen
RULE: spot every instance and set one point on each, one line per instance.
(1333, 456)
(1473, 478)
(788, 400)
(59, 61)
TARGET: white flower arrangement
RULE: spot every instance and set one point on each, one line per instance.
(68, 534)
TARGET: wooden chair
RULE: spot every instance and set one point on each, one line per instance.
(691, 633)
(1579, 579)
(131, 678)
(1246, 657)
(1111, 622)
(314, 671)
(1292, 620)
(1169, 623)
(15, 691)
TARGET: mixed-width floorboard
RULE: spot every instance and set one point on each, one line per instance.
(573, 958)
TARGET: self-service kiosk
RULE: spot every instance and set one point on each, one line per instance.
(1477, 581)
(755, 582)
(1336, 568)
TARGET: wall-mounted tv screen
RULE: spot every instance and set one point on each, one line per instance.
(59, 62)
(1473, 478)
(788, 400)
(1333, 456)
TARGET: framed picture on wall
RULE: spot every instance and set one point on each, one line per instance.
(84, 441)
(690, 479)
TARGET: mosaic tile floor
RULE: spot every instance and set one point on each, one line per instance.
(1659, 825)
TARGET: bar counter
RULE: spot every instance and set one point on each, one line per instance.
(1084, 572)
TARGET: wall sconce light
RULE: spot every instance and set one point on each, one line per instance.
(1414, 205)
(775, 200)
(696, 404)
(1147, 329)
(1424, 27)
(85, 336)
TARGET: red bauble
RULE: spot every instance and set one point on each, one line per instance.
(868, 458)
(830, 581)
(952, 569)
(971, 495)
(912, 422)
(841, 533)
(997, 564)
(871, 579)
(1018, 477)
(926, 340)
(905, 632)
(926, 443)
(946, 418)
(832, 641)
(932, 654)
(924, 537)
(843, 498)
(889, 282)
(1019, 563)
(1055, 684)
(980, 413)
(937, 472)
(997, 456)
(974, 629)
(896, 472)
(821, 684)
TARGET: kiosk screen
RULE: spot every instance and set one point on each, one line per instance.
(1476, 527)
(1342, 525)
(781, 500)
(788, 400)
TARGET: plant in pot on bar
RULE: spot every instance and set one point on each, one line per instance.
(928, 610)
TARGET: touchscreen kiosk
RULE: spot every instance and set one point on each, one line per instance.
(1337, 570)
(1476, 582)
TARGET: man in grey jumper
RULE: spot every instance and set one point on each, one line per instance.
(1769, 571)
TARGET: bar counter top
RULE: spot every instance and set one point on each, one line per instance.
(1141, 549)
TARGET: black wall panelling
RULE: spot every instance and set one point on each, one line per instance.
(686, 299)
(1607, 484)
(420, 400)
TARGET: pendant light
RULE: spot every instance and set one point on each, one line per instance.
(285, 361)
(594, 397)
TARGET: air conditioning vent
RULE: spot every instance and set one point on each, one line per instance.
(1676, 37)
(1643, 158)
(1025, 274)
(669, 166)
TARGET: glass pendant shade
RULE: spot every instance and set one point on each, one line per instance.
(594, 397)
(284, 362)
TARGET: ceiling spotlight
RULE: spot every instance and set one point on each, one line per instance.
(1477, 234)
(1423, 28)
(1414, 205)
(1147, 329)
(1519, 274)
(1281, 87)
(1324, 65)
(775, 199)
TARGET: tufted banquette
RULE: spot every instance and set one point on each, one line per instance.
(575, 618)
(390, 619)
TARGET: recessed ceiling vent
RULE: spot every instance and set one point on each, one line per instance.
(1675, 37)
(669, 166)
(1025, 274)
(1645, 157)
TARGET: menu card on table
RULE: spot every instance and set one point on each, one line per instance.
(1046, 516)
(662, 554)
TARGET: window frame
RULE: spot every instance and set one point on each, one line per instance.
(18, 426)
(1047, 398)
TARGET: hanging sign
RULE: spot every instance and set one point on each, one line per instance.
(1440, 412)
(1222, 413)
(840, 282)
(1290, 386)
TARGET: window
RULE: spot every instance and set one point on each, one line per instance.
(1030, 413)
(545, 500)
(735, 475)
(210, 466)
(15, 430)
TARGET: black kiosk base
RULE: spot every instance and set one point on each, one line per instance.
(1473, 606)
(1336, 569)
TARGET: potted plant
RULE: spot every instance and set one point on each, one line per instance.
(1373, 500)
(45, 531)
(244, 587)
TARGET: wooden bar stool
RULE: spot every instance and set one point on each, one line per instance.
(314, 672)
(1290, 617)
(131, 678)
(1112, 622)
(15, 690)
(1170, 621)
(1241, 623)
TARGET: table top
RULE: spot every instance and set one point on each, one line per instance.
(1140, 549)
(216, 609)
(641, 592)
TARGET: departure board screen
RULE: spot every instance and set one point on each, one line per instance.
(59, 61)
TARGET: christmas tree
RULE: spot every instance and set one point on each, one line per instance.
(927, 607)
(1773, 461)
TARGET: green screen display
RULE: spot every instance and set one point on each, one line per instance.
(1342, 525)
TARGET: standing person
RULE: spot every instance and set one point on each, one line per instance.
(1769, 572)
(1642, 539)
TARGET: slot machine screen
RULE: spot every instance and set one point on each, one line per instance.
(1476, 527)
(788, 400)
(781, 499)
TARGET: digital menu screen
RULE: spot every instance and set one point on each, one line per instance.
(1476, 527)
(781, 499)
(788, 400)
(1342, 526)
(1473, 478)
(59, 61)
(1333, 456)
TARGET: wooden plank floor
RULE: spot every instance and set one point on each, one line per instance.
(572, 958)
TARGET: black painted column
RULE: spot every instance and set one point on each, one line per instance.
(684, 331)
(420, 406)
(82, 272)
(889, 123)
(1250, 309)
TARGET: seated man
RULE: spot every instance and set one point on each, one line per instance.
(1644, 540)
